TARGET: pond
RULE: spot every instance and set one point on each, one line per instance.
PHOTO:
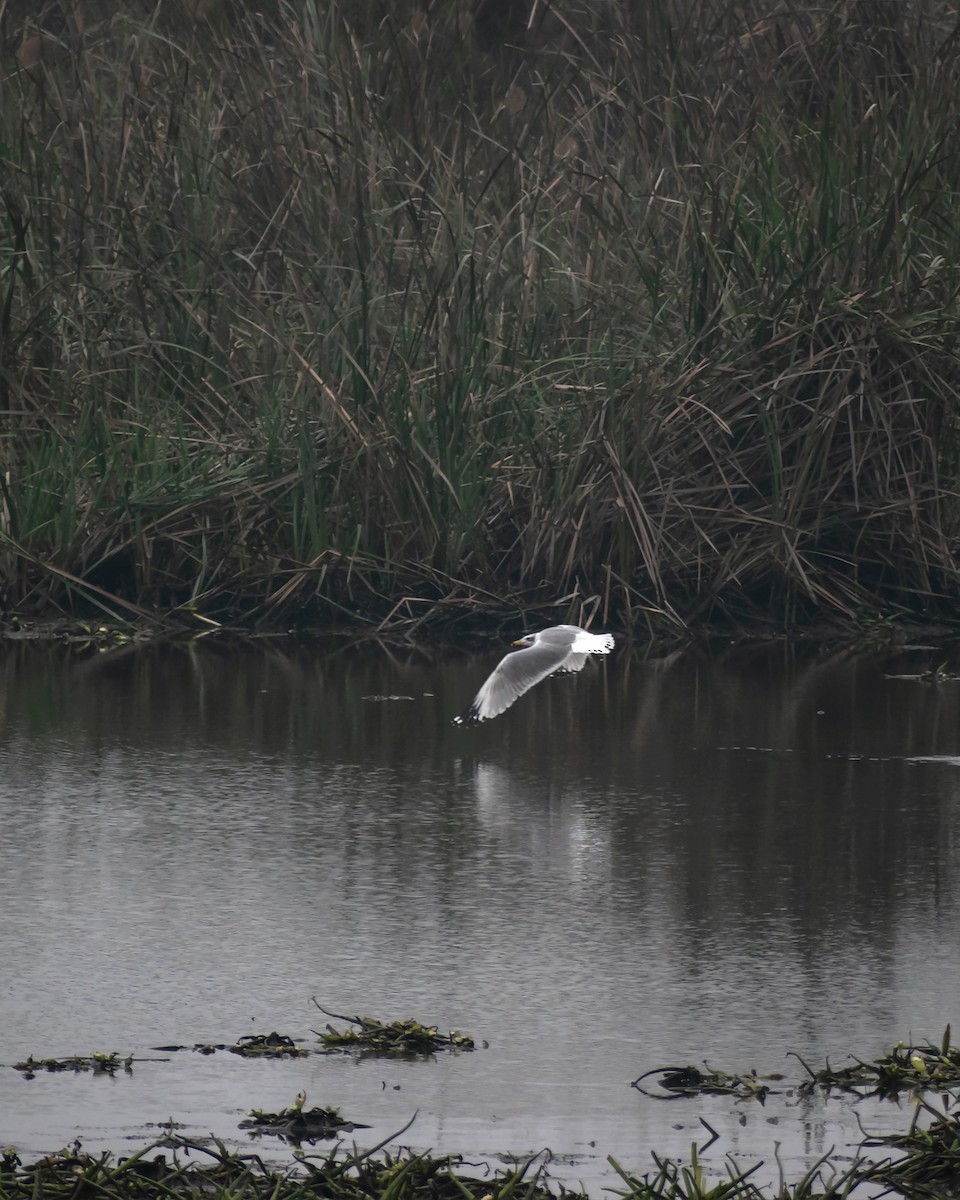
(733, 856)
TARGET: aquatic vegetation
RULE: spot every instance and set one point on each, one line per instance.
(180, 1167)
(98, 1063)
(159, 1169)
(926, 1067)
(919, 1068)
(930, 1162)
(250, 1045)
(691, 1081)
(297, 1124)
(267, 1045)
(405, 1037)
(77, 632)
(925, 1163)
(679, 1181)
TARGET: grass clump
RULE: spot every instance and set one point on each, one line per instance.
(404, 1038)
(391, 313)
(930, 1165)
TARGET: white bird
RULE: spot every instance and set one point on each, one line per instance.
(557, 650)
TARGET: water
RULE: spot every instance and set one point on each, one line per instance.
(722, 857)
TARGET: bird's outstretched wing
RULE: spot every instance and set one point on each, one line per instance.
(516, 673)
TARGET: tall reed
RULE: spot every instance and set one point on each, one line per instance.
(359, 312)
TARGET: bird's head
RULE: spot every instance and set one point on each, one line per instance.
(527, 640)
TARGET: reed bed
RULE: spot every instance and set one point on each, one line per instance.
(401, 312)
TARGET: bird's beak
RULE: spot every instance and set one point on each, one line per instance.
(519, 642)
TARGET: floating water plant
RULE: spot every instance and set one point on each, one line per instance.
(99, 1064)
(691, 1081)
(267, 1045)
(297, 1124)
(251, 1045)
(926, 1067)
(407, 1037)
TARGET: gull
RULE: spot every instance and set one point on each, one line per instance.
(554, 651)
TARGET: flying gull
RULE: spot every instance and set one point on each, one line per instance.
(554, 651)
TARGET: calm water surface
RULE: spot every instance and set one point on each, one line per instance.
(723, 857)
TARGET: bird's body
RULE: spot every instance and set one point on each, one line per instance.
(557, 650)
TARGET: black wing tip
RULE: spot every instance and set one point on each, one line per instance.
(469, 716)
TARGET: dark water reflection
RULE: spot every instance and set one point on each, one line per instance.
(725, 856)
